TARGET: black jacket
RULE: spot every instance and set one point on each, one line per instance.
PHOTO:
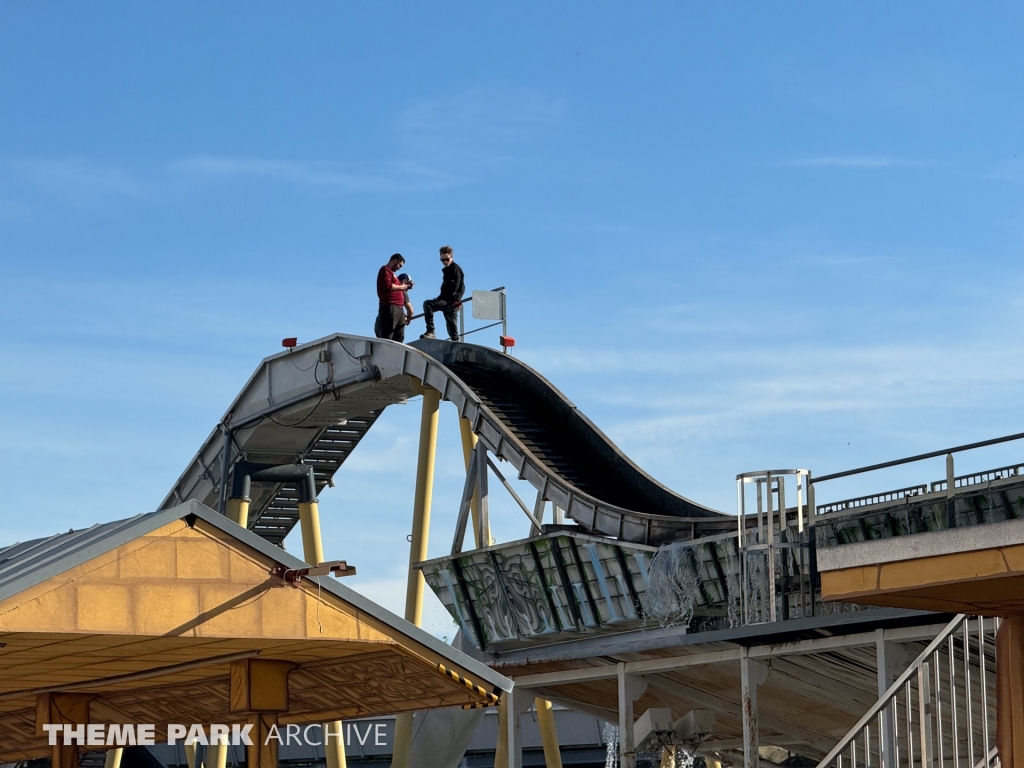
(452, 283)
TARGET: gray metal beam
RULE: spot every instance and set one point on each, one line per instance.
(665, 638)
(801, 647)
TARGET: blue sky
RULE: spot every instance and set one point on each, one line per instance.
(737, 237)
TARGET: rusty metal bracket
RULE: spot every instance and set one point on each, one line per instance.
(292, 576)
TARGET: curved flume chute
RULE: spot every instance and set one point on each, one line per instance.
(314, 403)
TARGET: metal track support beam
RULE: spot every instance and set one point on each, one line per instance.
(468, 444)
(631, 688)
(548, 733)
(312, 542)
(752, 674)
(891, 660)
(501, 746)
(516, 702)
(217, 752)
(418, 549)
(313, 553)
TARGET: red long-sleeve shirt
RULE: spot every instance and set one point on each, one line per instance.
(386, 292)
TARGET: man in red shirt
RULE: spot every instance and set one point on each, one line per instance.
(391, 297)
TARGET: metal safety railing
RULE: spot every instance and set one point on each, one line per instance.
(940, 713)
(977, 478)
(494, 305)
(875, 498)
(937, 486)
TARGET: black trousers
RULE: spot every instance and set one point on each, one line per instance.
(390, 323)
(450, 312)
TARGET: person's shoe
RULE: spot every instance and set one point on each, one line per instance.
(454, 338)
(428, 335)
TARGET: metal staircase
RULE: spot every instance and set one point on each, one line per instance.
(940, 713)
(275, 517)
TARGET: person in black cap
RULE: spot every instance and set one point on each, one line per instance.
(449, 300)
(391, 294)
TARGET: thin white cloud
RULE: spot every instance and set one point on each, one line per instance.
(855, 162)
(73, 177)
(482, 125)
(735, 389)
(393, 177)
(438, 144)
(838, 260)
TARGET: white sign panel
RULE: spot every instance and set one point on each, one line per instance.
(487, 305)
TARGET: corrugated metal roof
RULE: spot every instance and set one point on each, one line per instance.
(28, 563)
(24, 565)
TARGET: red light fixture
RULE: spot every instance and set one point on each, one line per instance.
(289, 342)
(506, 341)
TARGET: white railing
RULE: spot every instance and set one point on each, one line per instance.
(776, 578)
(940, 713)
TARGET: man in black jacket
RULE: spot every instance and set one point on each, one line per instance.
(449, 300)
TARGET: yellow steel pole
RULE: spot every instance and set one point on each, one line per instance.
(468, 444)
(217, 753)
(190, 755)
(313, 553)
(501, 748)
(312, 543)
(421, 505)
(545, 715)
(548, 733)
(418, 549)
(113, 758)
(334, 744)
(238, 511)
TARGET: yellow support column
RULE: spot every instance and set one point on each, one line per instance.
(217, 753)
(237, 511)
(263, 752)
(312, 544)
(418, 549)
(548, 733)
(313, 553)
(334, 744)
(190, 755)
(468, 444)
(501, 748)
(113, 758)
(545, 716)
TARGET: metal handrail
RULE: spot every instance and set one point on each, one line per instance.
(893, 690)
(919, 457)
(902, 683)
(461, 302)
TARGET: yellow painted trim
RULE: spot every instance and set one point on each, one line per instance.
(905, 581)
